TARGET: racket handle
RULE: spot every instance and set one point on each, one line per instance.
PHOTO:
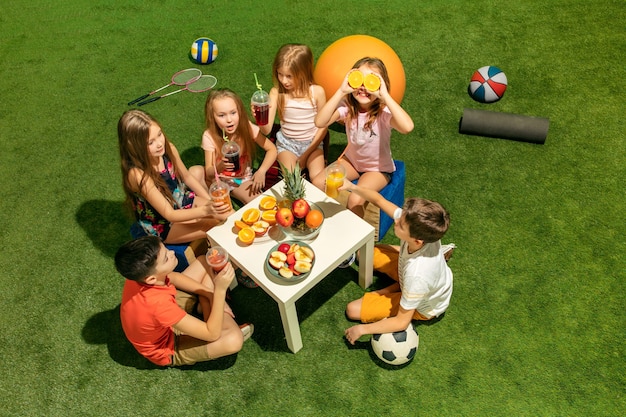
(130, 103)
(149, 101)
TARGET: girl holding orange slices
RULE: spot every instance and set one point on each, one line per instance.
(364, 105)
(296, 99)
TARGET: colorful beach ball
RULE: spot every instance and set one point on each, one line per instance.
(487, 85)
(203, 50)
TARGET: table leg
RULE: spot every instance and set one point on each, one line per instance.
(291, 326)
(366, 264)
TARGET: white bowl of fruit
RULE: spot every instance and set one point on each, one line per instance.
(290, 260)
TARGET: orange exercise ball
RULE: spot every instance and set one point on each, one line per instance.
(336, 60)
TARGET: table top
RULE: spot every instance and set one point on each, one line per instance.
(341, 234)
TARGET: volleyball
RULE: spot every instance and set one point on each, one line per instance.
(203, 50)
(488, 84)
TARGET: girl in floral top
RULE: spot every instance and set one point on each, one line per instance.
(169, 200)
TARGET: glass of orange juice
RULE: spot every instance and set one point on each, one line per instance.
(335, 173)
(220, 192)
(217, 257)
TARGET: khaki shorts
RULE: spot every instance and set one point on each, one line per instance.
(376, 307)
(188, 350)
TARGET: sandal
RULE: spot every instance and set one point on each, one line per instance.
(245, 280)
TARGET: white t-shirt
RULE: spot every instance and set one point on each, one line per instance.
(425, 279)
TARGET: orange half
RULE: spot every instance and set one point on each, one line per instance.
(269, 216)
(355, 79)
(240, 225)
(267, 203)
(246, 235)
(251, 215)
(371, 82)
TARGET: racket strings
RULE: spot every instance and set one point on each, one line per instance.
(186, 76)
(203, 83)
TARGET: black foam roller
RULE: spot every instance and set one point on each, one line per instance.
(504, 126)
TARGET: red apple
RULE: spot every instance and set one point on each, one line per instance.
(284, 247)
(284, 217)
(291, 259)
(300, 208)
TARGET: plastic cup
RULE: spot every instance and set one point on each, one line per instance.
(261, 103)
(335, 173)
(231, 151)
(220, 192)
(217, 258)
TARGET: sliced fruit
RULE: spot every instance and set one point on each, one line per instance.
(308, 252)
(267, 202)
(285, 272)
(246, 235)
(371, 82)
(302, 266)
(314, 219)
(269, 216)
(260, 227)
(294, 247)
(277, 260)
(300, 255)
(355, 79)
(291, 258)
(240, 225)
(251, 215)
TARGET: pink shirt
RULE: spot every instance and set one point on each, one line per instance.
(298, 119)
(369, 150)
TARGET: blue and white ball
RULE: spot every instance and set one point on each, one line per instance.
(488, 84)
(396, 348)
(203, 50)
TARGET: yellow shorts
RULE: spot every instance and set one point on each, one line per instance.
(374, 306)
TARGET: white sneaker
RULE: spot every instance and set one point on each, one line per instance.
(247, 329)
(448, 250)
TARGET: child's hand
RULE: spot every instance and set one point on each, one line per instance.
(223, 278)
(353, 333)
(382, 93)
(228, 166)
(345, 85)
(346, 186)
(221, 210)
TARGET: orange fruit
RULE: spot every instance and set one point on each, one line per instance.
(251, 215)
(371, 82)
(314, 219)
(267, 203)
(240, 225)
(269, 216)
(246, 235)
(355, 79)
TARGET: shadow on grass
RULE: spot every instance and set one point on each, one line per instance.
(105, 328)
(105, 224)
(255, 306)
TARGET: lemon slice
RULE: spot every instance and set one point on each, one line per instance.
(355, 79)
(371, 82)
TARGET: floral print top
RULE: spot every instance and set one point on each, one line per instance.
(151, 220)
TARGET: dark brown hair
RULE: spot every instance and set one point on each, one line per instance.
(426, 220)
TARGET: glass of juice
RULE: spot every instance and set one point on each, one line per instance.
(231, 150)
(261, 103)
(335, 173)
(217, 258)
(220, 192)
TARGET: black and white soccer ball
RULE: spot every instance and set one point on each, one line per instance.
(396, 348)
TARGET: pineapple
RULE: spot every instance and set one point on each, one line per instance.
(294, 182)
(295, 195)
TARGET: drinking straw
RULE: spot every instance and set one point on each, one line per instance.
(256, 80)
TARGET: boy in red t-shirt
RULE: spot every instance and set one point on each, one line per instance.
(156, 302)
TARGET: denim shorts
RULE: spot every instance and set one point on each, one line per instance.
(296, 147)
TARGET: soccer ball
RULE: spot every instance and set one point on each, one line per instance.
(487, 85)
(203, 50)
(396, 348)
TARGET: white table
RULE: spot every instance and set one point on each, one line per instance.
(342, 234)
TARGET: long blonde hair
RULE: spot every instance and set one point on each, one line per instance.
(298, 59)
(377, 107)
(243, 131)
(133, 131)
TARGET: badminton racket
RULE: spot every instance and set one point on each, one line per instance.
(180, 78)
(204, 83)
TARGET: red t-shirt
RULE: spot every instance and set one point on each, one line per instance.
(148, 313)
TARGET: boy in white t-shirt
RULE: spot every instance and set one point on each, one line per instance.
(423, 279)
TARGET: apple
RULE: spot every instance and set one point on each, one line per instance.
(285, 272)
(302, 266)
(284, 217)
(300, 208)
(260, 228)
(308, 252)
(303, 254)
(284, 247)
(291, 259)
(277, 260)
(294, 247)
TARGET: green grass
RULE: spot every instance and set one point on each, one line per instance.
(536, 324)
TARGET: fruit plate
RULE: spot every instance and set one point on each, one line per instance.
(273, 272)
(305, 233)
